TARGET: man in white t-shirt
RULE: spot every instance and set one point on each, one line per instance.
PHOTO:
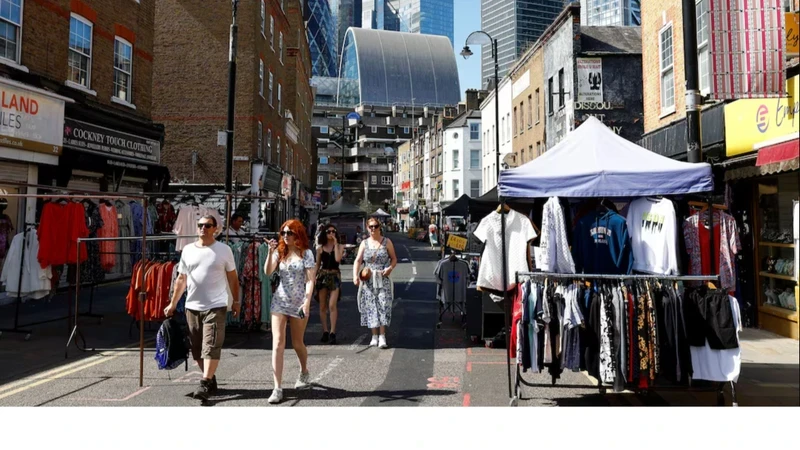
(236, 228)
(206, 268)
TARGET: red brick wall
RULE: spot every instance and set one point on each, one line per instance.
(654, 16)
(45, 44)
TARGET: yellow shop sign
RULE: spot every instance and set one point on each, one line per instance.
(751, 121)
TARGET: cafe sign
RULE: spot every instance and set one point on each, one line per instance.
(85, 136)
(30, 120)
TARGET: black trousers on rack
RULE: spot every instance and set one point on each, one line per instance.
(709, 316)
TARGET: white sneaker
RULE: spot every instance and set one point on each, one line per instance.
(382, 342)
(277, 396)
(374, 341)
(304, 381)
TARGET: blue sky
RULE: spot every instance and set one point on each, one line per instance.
(467, 19)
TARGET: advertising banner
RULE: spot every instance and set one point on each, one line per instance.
(590, 80)
(30, 121)
(85, 136)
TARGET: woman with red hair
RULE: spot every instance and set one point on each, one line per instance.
(291, 301)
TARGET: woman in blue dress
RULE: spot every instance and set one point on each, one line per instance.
(374, 264)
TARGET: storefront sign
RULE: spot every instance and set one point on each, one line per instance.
(590, 80)
(30, 121)
(85, 136)
(598, 106)
(792, 34)
(286, 185)
(272, 180)
(750, 121)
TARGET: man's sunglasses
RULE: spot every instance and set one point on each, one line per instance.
(287, 233)
(205, 225)
(374, 227)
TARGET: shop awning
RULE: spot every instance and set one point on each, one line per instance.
(779, 152)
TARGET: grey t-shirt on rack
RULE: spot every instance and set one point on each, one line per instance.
(454, 278)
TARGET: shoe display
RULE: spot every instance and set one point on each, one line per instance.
(277, 396)
(374, 341)
(304, 381)
(333, 339)
(202, 392)
(382, 342)
(325, 336)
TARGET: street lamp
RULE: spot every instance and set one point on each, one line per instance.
(483, 38)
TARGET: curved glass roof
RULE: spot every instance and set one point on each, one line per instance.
(386, 68)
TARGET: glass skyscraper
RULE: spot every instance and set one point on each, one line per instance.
(516, 24)
(611, 13)
(322, 36)
(410, 16)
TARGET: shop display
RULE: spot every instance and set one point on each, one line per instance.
(654, 235)
(519, 232)
(552, 254)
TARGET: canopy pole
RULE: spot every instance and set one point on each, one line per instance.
(506, 304)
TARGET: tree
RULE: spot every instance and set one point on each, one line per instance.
(365, 205)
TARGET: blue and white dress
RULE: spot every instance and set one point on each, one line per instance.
(291, 292)
(375, 296)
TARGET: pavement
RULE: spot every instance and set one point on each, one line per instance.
(424, 366)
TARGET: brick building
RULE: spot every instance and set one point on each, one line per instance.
(527, 76)
(87, 66)
(272, 140)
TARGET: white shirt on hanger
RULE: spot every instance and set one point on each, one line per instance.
(654, 238)
(186, 223)
(553, 254)
(719, 365)
(519, 232)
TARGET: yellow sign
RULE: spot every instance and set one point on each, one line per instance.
(792, 34)
(751, 121)
(456, 242)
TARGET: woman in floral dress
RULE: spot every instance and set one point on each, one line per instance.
(291, 301)
(375, 292)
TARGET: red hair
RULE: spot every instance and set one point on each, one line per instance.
(300, 238)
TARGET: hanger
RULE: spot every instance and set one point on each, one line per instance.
(453, 256)
(503, 209)
(704, 206)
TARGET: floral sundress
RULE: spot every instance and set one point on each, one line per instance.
(291, 292)
(375, 296)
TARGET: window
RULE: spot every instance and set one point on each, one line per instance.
(323, 129)
(80, 50)
(560, 88)
(667, 73)
(123, 68)
(521, 118)
(440, 163)
(406, 130)
(530, 152)
(272, 33)
(261, 77)
(280, 112)
(280, 46)
(703, 55)
(386, 179)
(455, 159)
(270, 88)
(550, 96)
(474, 159)
(474, 131)
(259, 140)
(456, 193)
(264, 18)
(390, 130)
(530, 109)
(474, 188)
(269, 146)
(538, 108)
(503, 129)
(282, 5)
(539, 148)
(373, 129)
(374, 179)
(278, 148)
(10, 28)
(508, 130)
(319, 180)
(514, 126)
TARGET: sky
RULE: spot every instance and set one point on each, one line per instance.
(467, 19)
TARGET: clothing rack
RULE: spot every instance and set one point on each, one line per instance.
(453, 306)
(17, 327)
(519, 380)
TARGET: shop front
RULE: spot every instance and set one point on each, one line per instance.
(763, 174)
(272, 211)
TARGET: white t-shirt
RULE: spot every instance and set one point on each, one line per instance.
(186, 223)
(206, 271)
(654, 238)
(519, 232)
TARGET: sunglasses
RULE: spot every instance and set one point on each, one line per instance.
(331, 231)
(287, 233)
(205, 225)
(374, 227)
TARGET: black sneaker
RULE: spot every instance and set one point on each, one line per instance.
(212, 386)
(202, 392)
(325, 335)
(333, 338)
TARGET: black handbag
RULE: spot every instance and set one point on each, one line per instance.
(275, 280)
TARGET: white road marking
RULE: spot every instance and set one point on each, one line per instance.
(414, 269)
(408, 285)
(358, 342)
(336, 361)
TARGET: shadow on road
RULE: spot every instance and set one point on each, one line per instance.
(321, 392)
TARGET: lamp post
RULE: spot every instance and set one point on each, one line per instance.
(231, 99)
(483, 38)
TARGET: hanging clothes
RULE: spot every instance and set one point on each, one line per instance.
(6, 234)
(92, 270)
(35, 282)
(159, 286)
(601, 244)
(125, 229)
(654, 235)
(166, 217)
(251, 287)
(726, 246)
(60, 226)
(266, 285)
(553, 253)
(109, 229)
(137, 221)
(519, 232)
(186, 223)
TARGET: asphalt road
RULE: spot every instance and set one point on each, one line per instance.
(424, 366)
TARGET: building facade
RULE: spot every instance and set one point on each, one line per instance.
(462, 157)
(272, 123)
(515, 24)
(322, 31)
(489, 142)
(76, 80)
(410, 16)
(596, 13)
(528, 122)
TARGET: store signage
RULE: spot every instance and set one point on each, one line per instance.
(85, 136)
(456, 242)
(286, 185)
(590, 80)
(751, 121)
(406, 185)
(598, 106)
(792, 34)
(30, 121)
(272, 180)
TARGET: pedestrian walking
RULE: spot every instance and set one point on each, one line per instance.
(291, 302)
(329, 280)
(374, 264)
(206, 269)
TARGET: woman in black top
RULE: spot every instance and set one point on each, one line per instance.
(329, 280)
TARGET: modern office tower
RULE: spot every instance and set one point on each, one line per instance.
(611, 13)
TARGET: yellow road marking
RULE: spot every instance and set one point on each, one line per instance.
(55, 377)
